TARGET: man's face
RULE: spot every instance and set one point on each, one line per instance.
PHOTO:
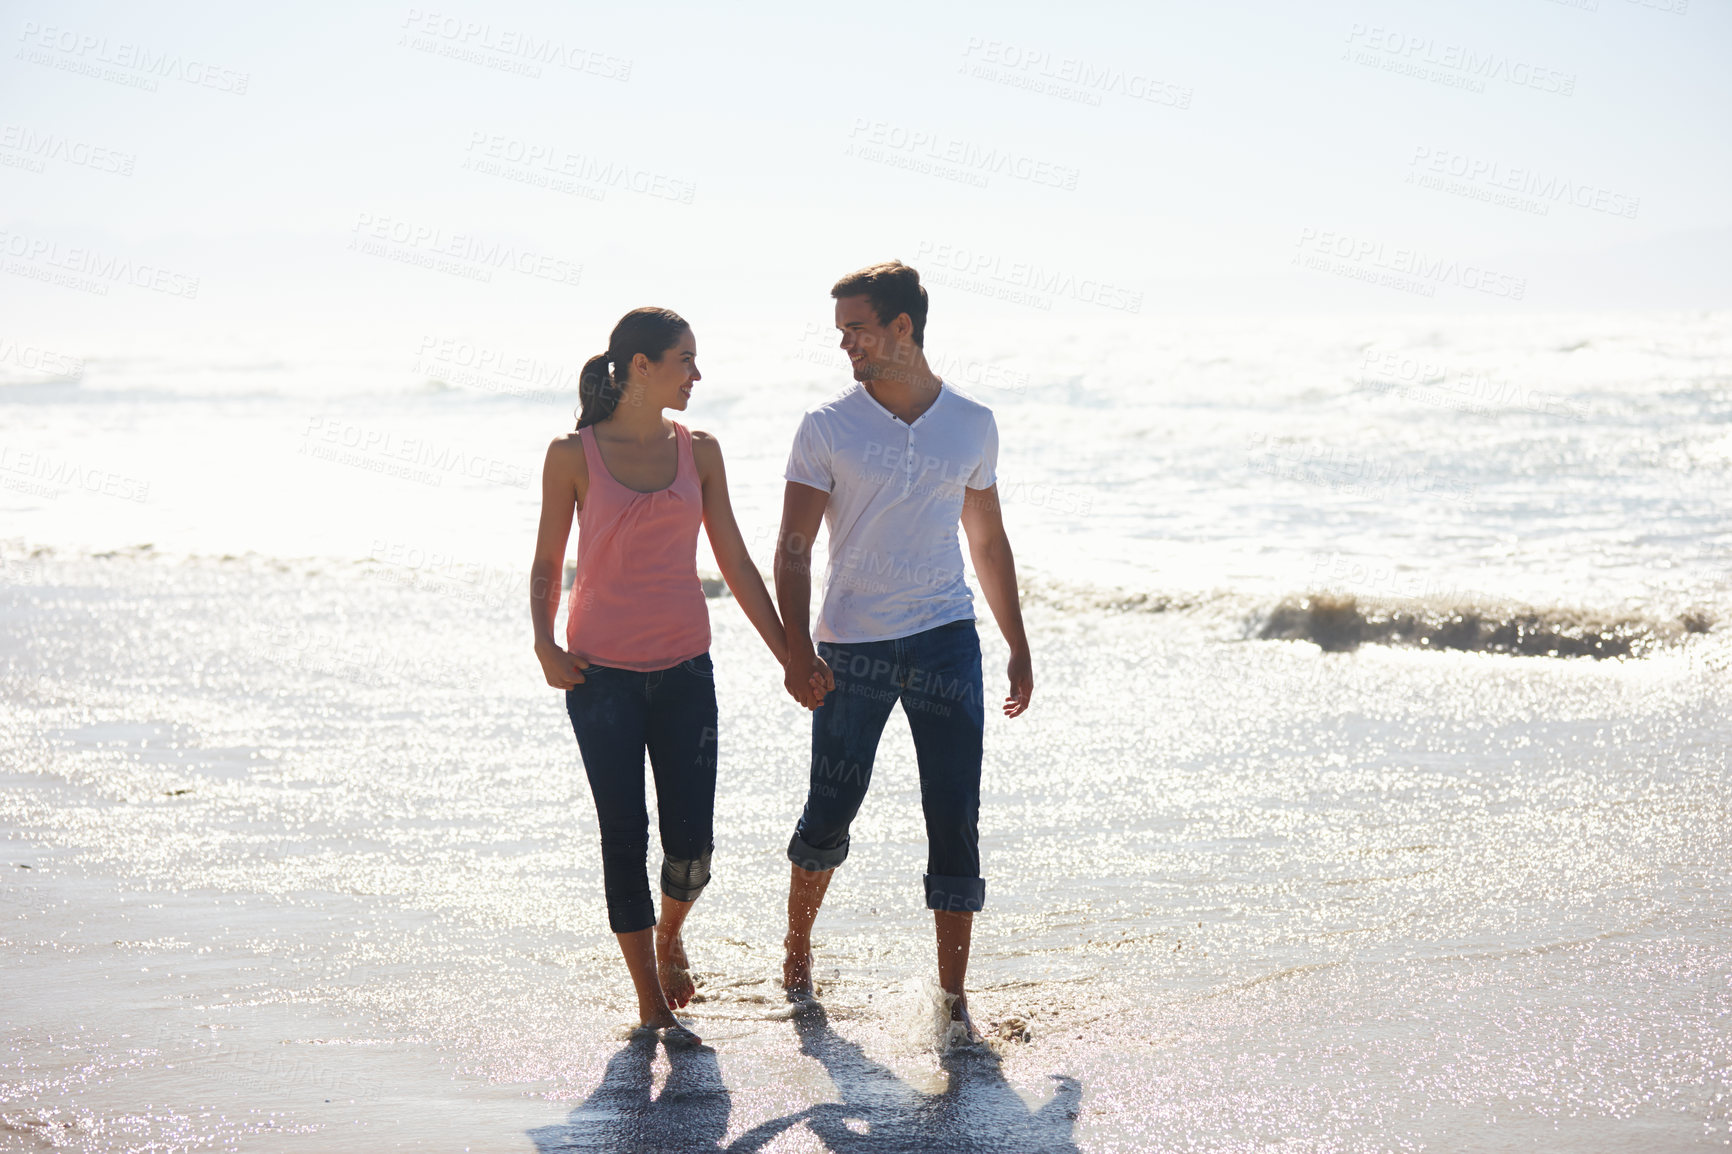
(874, 350)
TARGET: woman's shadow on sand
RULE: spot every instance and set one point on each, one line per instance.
(879, 1113)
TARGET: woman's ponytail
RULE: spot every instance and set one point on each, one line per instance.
(596, 391)
(650, 331)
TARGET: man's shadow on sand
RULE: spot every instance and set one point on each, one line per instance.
(879, 1113)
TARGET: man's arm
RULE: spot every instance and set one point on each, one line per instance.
(989, 547)
(806, 676)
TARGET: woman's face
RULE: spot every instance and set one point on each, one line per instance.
(667, 383)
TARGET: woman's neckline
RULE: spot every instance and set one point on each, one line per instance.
(608, 469)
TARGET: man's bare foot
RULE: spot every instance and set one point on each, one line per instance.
(671, 972)
(962, 1029)
(797, 977)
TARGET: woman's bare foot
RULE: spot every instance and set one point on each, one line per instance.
(797, 976)
(672, 1033)
(680, 1038)
(671, 972)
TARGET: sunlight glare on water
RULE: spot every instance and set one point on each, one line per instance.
(1370, 900)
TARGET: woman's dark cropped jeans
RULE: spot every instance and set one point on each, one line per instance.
(618, 714)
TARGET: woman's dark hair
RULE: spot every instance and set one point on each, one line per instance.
(650, 331)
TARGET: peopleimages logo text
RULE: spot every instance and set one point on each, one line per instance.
(104, 267)
(516, 44)
(36, 359)
(1476, 64)
(989, 268)
(91, 50)
(557, 161)
(1524, 180)
(965, 154)
(1411, 263)
(432, 242)
(55, 474)
(335, 439)
(1081, 75)
(52, 146)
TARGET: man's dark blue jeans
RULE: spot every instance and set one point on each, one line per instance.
(935, 674)
(617, 714)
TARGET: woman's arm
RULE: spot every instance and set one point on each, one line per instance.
(561, 474)
(735, 560)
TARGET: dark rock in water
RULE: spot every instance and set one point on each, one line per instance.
(1333, 623)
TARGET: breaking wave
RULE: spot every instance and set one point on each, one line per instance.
(1339, 624)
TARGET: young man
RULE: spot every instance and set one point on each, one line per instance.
(890, 466)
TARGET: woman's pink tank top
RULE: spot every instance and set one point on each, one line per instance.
(636, 602)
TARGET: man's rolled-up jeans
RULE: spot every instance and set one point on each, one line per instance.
(935, 674)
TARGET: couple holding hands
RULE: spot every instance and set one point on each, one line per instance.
(891, 466)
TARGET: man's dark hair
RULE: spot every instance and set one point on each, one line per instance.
(892, 288)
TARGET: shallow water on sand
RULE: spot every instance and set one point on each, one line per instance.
(312, 866)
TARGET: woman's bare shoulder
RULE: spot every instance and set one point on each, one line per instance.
(706, 450)
(565, 453)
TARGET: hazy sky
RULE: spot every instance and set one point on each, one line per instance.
(268, 175)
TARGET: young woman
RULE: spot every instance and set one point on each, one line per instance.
(636, 666)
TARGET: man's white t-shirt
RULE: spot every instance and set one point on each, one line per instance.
(896, 495)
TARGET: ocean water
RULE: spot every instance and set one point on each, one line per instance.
(1374, 795)
(1564, 462)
